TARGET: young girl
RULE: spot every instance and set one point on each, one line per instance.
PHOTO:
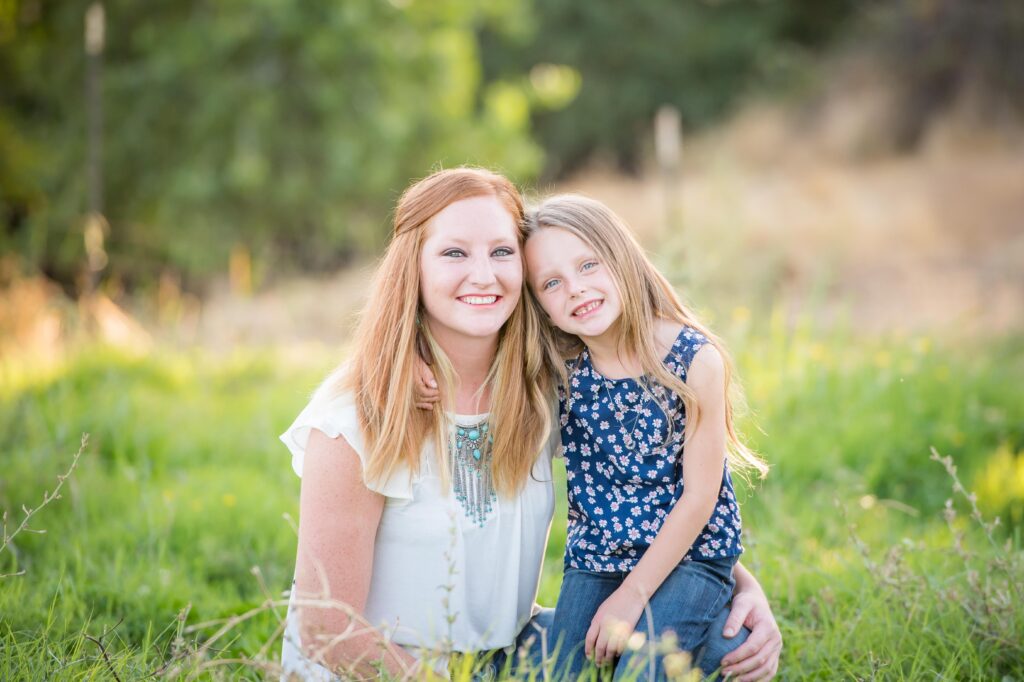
(649, 529)
(646, 433)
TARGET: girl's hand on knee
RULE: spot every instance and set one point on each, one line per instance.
(612, 625)
(427, 393)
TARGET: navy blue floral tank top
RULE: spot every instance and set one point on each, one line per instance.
(624, 466)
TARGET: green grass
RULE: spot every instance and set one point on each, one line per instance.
(184, 488)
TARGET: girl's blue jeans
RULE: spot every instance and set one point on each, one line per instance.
(692, 603)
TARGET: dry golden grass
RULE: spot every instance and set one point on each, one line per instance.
(769, 211)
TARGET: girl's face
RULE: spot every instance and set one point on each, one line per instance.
(575, 288)
(471, 272)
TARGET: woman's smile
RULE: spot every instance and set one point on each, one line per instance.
(479, 301)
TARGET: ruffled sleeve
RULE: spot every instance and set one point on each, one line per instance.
(334, 413)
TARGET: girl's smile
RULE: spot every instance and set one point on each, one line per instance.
(587, 308)
(574, 287)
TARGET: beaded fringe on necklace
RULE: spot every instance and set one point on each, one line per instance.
(472, 480)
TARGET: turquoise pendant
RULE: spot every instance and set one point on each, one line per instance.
(472, 480)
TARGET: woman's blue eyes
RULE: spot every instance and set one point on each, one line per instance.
(499, 252)
(550, 283)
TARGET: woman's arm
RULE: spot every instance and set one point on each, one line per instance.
(338, 519)
(702, 480)
(758, 657)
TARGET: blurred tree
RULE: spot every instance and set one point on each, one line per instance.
(287, 127)
(945, 50)
(698, 55)
(287, 130)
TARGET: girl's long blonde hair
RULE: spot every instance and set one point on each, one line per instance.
(646, 297)
(389, 339)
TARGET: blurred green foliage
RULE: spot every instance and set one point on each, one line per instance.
(700, 56)
(290, 128)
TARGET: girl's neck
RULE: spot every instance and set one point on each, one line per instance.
(471, 358)
(609, 355)
(613, 360)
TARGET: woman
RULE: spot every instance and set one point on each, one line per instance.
(425, 531)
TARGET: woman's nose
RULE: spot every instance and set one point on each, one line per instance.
(482, 273)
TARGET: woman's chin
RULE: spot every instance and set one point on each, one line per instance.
(479, 330)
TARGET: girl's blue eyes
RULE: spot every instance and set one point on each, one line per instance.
(499, 252)
(589, 265)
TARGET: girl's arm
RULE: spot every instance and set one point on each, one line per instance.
(338, 519)
(758, 657)
(702, 479)
(427, 393)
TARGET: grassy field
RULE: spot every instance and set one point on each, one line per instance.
(181, 509)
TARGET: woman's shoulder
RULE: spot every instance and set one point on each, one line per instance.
(332, 410)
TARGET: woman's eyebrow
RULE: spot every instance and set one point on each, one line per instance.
(499, 241)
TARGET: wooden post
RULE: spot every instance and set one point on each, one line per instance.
(96, 225)
(668, 148)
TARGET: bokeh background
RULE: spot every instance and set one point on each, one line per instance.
(192, 196)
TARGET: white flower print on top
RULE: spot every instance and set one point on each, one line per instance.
(616, 434)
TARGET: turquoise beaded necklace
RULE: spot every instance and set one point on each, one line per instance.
(472, 480)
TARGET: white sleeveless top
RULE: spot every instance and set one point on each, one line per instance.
(496, 566)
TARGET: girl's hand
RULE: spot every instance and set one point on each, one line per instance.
(425, 386)
(612, 625)
(758, 657)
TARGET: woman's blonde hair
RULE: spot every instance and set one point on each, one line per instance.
(389, 339)
(646, 297)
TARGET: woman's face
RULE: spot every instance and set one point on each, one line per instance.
(471, 272)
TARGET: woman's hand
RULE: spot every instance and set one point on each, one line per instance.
(612, 625)
(758, 657)
(425, 386)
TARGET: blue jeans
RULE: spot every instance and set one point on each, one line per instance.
(531, 649)
(692, 603)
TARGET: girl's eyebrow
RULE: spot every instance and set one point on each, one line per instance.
(547, 273)
(540, 274)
